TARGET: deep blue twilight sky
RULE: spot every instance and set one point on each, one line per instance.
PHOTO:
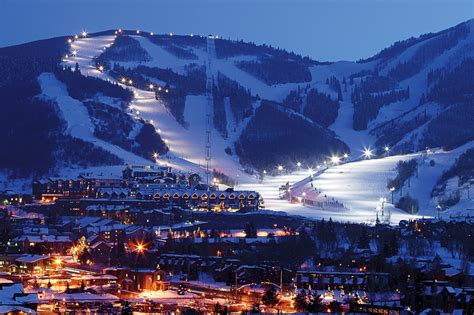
(323, 29)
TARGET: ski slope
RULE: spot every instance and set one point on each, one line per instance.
(358, 185)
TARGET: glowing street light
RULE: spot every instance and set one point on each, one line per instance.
(159, 88)
(166, 91)
(101, 68)
(123, 80)
(298, 164)
(155, 155)
(346, 156)
(280, 168)
(69, 40)
(140, 248)
(76, 37)
(74, 52)
(120, 30)
(84, 34)
(138, 32)
(151, 33)
(335, 159)
(368, 153)
(171, 34)
(130, 82)
(151, 86)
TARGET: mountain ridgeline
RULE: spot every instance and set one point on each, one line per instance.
(269, 106)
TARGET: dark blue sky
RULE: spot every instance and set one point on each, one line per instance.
(322, 29)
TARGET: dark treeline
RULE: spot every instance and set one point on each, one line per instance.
(111, 124)
(180, 40)
(463, 168)
(321, 108)
(429, 51)
(114, 126)
(175, 102)
(176, 44)
(335, 84)
(277, 71)
(393, 131)
(294, 100)
(452, 87)
(239, 97)
(452, 128)
(178, 86)
(373, 93)
(229, 48)
(194, 82)
(81, 87)
(149, 142)
(317, 106)
(405, 169)
(219, 118)
(297, 138)
(26, 61)
(124, 48)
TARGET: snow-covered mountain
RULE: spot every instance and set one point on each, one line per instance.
(124, 96)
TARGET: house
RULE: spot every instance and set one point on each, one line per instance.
(33, 264)
(367, 281)
(139, 279)
(55, 244)
(101, 252)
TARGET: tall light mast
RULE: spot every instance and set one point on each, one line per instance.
(209, 106)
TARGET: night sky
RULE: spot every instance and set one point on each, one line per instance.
(325, 30)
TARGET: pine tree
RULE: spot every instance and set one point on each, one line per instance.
(270, 298)
(301, 302)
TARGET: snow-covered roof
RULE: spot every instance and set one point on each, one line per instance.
(43, 238)
(32, 258)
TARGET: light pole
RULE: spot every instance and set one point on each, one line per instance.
(382, 201)
(438, 208)
(392, 190)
